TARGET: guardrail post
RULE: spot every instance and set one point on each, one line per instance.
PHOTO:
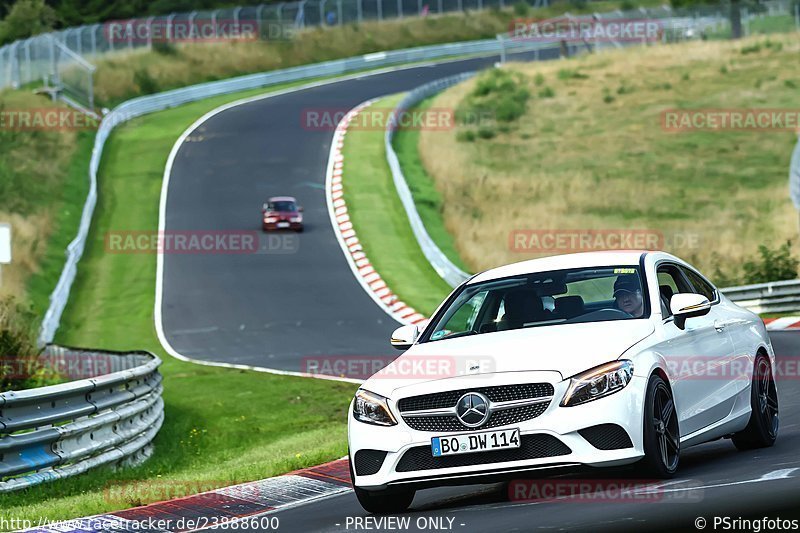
(502, 49)
(170, 28)
(214, 22)
(400, 8)
(379, 5)
(439, 6)
(130, 35)
(360, 11)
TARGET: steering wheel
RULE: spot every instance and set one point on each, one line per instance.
(616, 311)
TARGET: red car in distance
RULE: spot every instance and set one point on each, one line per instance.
(282, 212)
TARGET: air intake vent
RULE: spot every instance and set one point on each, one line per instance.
(607, 437)
(368, 462)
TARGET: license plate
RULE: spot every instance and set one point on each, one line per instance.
(283, 224)
(475, 442)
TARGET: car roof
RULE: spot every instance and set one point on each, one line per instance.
(282, 199)
(561, 262)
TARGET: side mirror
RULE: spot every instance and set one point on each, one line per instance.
(404, 336)
(687, 305)
(300, 209)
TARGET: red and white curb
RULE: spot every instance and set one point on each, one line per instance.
(353, 250)
(248, 504)
(778, 324)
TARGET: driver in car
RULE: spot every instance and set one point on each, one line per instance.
(628, 295)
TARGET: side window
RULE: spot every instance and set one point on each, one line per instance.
(670, 281)
(464, 318)
(700, 286)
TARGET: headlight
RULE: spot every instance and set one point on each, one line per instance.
(297, 219)
(270, 219)
(598, 382)
(372, 409)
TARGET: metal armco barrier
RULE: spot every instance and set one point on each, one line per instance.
(774, 297)
(438, 260)
(63, 430)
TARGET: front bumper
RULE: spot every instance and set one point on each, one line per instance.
(550, 440)
(273, 226)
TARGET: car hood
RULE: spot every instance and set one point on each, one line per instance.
(566, 349)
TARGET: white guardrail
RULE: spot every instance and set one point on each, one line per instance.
(438, 260)
(774, 297)
(50, 433)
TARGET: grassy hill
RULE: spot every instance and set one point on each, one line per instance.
(587, 150)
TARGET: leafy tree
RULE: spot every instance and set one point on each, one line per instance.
(26, 18)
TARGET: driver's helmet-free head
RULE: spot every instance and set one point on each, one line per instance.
(627, 283)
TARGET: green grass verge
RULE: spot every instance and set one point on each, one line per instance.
(217, 430)
(381, 221)
(426, 197)
(67, 216)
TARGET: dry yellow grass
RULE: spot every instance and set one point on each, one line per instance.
(33, 169)
(29, 238)
(595, 156)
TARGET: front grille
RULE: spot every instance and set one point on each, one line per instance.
(607, 437)
(532, 447)
(500, 393)
(505, 417)
(368, 462)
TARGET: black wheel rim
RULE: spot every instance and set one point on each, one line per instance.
(767, 397)
(665, 422)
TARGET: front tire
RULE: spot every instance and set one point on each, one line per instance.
(762, 429)
(389, 501)
(385, 501)
(662, 439)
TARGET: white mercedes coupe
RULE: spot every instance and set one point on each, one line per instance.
(594, 359)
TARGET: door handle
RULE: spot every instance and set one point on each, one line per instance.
(719, 326)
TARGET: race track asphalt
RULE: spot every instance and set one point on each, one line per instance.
(300, 299)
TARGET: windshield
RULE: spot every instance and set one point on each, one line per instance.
(544, 298)
(282, 206)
